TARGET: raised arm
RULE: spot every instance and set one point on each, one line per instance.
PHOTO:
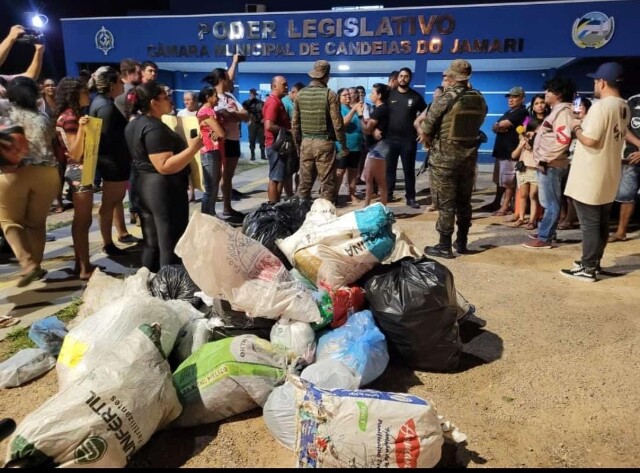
(9, 41)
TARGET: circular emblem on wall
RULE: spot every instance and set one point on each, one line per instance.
(104, 40)
(592, 30)
(91, 450)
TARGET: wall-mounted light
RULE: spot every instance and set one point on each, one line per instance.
(343, 67)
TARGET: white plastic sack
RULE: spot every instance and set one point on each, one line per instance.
(228, 377)
(85, 345)
(321, 212)
(337, 263)
(24, 366)
(322, 224)
(295, 336)
(103, 289)
(279, 411)
(339, 251)
(225, 264)
(366, 429)
(103, 418)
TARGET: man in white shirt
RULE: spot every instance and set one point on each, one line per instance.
(191, 105)
(596, 168)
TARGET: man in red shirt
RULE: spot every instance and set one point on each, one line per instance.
(275, 116)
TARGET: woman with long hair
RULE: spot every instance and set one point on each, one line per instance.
(212, 152)
(114, 159)
(527, 176)
(538, 109)
(72, 99)
(232, 113)
(375, 167)
(49, 107)
(353, 130)
(27, 190)
(161, 160)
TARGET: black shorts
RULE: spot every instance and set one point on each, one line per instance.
(351, 161)
(231, 148)
(113, 171)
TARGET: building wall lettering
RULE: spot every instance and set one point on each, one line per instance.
(433, 46)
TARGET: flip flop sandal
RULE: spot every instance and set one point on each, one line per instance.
(518, 223)
(8, 321)
(34, 275)
(531, 226)
(615, 238)
(500, 213)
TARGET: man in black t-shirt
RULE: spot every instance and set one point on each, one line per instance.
(405, 104)
(504, 173)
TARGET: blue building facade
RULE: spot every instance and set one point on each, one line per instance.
(507, 45)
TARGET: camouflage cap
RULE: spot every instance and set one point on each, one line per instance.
(320, 69)
(459, 70)
(515, 92)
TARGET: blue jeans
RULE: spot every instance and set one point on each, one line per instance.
(211, 173)
(629, 184)
(550, 195)
(406, 150)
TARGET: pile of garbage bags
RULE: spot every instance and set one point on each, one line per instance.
(295, 314)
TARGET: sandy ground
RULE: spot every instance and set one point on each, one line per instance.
(552, 380)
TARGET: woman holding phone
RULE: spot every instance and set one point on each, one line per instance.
(161, 159)
(212, 152)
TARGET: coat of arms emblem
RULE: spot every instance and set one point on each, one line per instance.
(104, 40)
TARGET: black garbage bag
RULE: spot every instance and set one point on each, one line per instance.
(273, 221)
(414, 302)
(173, 282)
(237, 322)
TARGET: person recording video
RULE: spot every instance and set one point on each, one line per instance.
(19, 34)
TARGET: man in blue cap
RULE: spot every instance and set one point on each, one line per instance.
(596, 169)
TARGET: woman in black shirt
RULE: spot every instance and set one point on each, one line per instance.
(375, 131)
(161, 159)
(114, 159)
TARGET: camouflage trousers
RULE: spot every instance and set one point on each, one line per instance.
(317, 161)
(453, 178)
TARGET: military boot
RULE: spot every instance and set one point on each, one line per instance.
(461, 241)
(442, 249)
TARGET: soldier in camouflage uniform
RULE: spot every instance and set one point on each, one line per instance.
(451, 129)
(317, 124)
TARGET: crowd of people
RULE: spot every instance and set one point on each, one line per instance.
(557, 160)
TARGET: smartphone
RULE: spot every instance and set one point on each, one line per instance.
(193, 133)
(577, 103)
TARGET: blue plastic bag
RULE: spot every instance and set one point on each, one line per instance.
(359, 344)
(48, 334)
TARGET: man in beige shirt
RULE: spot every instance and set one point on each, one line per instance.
(596, 168)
